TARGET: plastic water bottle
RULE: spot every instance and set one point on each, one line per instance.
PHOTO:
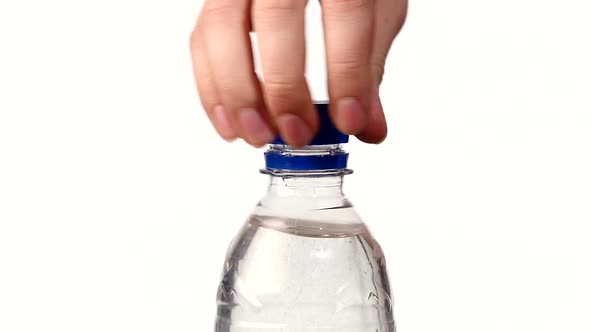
(304, 261)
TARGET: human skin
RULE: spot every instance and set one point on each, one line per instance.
(358, 36)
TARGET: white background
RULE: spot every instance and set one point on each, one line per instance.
(117, 200)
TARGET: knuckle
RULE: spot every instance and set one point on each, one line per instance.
(378, 71)
(205, 89)
(279, 5)
(204, 77)
(282, 93)
(349, 77)
(230, 86)
(238, 90)
(281, 86)
(347, 68)
(346, 5)
(219, 11)
(273, 14)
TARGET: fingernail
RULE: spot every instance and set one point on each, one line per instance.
(351, 117)
(255, 130)
(294, 130)
(223, 124)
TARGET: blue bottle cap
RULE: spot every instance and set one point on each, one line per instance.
(282, 158)
(279, 161)
(327, 133)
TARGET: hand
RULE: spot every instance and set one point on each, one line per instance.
(358, 36)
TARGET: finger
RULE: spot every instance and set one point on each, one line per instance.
(376, 130)
(390, 16)
(225, 25)
(348, 28)
(389, 19)
(207, 92)
(280, 29)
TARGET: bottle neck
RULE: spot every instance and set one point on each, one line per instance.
(304, 187)
(290, 195)
(305, 178)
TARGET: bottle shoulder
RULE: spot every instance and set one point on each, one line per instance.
(330, 211)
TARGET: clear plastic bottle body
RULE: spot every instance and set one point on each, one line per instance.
(303, 262)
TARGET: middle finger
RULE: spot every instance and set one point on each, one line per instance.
(280, 29)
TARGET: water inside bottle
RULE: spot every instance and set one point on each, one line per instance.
(298, 275)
